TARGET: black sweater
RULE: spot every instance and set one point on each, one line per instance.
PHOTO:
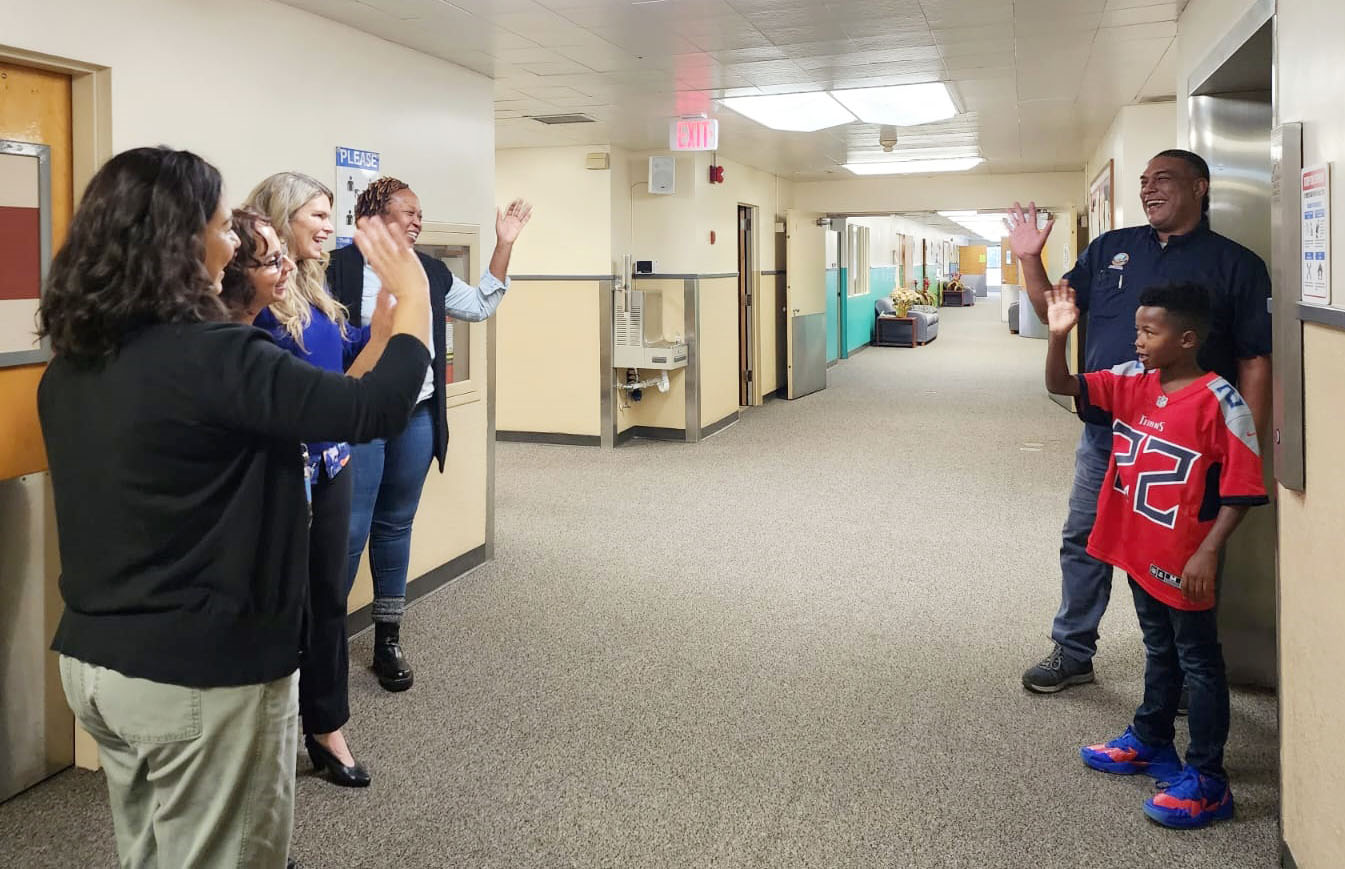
(345, 281)
(179, 495)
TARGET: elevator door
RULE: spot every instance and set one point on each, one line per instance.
(1231, 119)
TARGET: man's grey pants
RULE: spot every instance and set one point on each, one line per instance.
(197, 777)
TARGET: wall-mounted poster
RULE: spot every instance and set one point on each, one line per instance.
(1101, 214)
(355, 169)
(1317, 234)
(25, 248)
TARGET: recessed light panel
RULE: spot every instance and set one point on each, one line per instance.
(899, 105)
(797, 113)
(915, 167)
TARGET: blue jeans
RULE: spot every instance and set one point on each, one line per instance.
(1085, 585)
(1181, 643)
(389, 475)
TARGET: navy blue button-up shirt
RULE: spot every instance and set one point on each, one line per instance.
(1118, 265)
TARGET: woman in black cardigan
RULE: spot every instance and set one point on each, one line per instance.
(174, 443)
(390, 473)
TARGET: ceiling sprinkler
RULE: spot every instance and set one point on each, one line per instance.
(887, 137)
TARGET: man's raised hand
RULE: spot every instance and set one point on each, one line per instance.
(1025, 239)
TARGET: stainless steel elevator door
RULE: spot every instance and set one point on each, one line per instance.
(1232, 132)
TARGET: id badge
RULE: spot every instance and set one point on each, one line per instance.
(308, 476)
(334, 458)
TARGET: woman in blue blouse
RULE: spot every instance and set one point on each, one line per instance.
(312, 325)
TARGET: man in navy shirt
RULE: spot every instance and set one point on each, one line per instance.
(1177, 246)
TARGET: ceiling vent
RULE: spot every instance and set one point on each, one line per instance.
(562, 119)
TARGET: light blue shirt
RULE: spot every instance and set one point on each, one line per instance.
(463, 302)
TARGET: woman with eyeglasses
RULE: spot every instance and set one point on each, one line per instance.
(309, 323)
(173, 440)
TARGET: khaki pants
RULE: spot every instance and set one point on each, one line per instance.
(197, 777)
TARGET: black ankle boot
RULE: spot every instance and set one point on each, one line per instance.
(390, 664)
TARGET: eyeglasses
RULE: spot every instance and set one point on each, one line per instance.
(273, 263)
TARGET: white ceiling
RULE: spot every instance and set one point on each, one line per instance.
(1038, 81)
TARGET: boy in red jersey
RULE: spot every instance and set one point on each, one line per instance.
(1185, 467)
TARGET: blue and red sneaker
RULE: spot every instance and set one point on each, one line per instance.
(1193, 800)
(1128, 755)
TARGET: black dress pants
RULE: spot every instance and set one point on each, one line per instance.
(324, 701)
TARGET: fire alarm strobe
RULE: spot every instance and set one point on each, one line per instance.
(716, 174)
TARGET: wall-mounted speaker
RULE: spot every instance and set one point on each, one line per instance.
(662, 174)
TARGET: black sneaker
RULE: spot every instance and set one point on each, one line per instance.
(1055, 672)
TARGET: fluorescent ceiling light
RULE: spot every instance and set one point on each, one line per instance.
(798, 113)
(900, 105)
(989, 224)
(911, 167)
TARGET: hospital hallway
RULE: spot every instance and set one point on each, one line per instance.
(797, 643)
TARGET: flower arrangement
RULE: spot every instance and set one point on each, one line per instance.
(902, 299)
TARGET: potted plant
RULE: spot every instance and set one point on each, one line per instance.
(902, 299)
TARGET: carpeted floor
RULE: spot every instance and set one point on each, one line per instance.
(796, 644)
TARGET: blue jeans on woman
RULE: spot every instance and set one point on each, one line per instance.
(389, 474)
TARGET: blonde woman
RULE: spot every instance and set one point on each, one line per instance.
(312, 325)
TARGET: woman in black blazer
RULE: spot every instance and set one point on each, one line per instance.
(390, 473)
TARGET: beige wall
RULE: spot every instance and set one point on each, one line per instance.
(1311, 89)
(186, 80)
(570, 232)
(951, 191)
(719, 349)
(547, 337)
(1136, 134)
(546, 352)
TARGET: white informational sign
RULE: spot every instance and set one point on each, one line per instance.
(355, 169)
(1316, 262)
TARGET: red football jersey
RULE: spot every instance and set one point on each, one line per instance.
(1176, 459)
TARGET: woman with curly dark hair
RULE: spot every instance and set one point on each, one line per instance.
(173, 439)
(258, 275)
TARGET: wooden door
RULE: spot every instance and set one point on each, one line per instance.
(745, 308)
(36, 727)
(34, 108)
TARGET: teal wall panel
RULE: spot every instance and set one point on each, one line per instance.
(833, 314)
(859, 312)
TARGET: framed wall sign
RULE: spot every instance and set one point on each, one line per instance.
(1101, 212)
(25, 249)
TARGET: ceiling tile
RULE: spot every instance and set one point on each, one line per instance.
(1020, 69)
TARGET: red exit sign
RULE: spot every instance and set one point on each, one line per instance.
(693, 134)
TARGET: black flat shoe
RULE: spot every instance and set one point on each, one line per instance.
(391, 667)
(346, 776)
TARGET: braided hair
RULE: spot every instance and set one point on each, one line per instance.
(374, 199)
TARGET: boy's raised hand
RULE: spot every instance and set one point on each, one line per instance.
(1062, 314)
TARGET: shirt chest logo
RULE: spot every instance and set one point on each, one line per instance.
(1119, 261)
